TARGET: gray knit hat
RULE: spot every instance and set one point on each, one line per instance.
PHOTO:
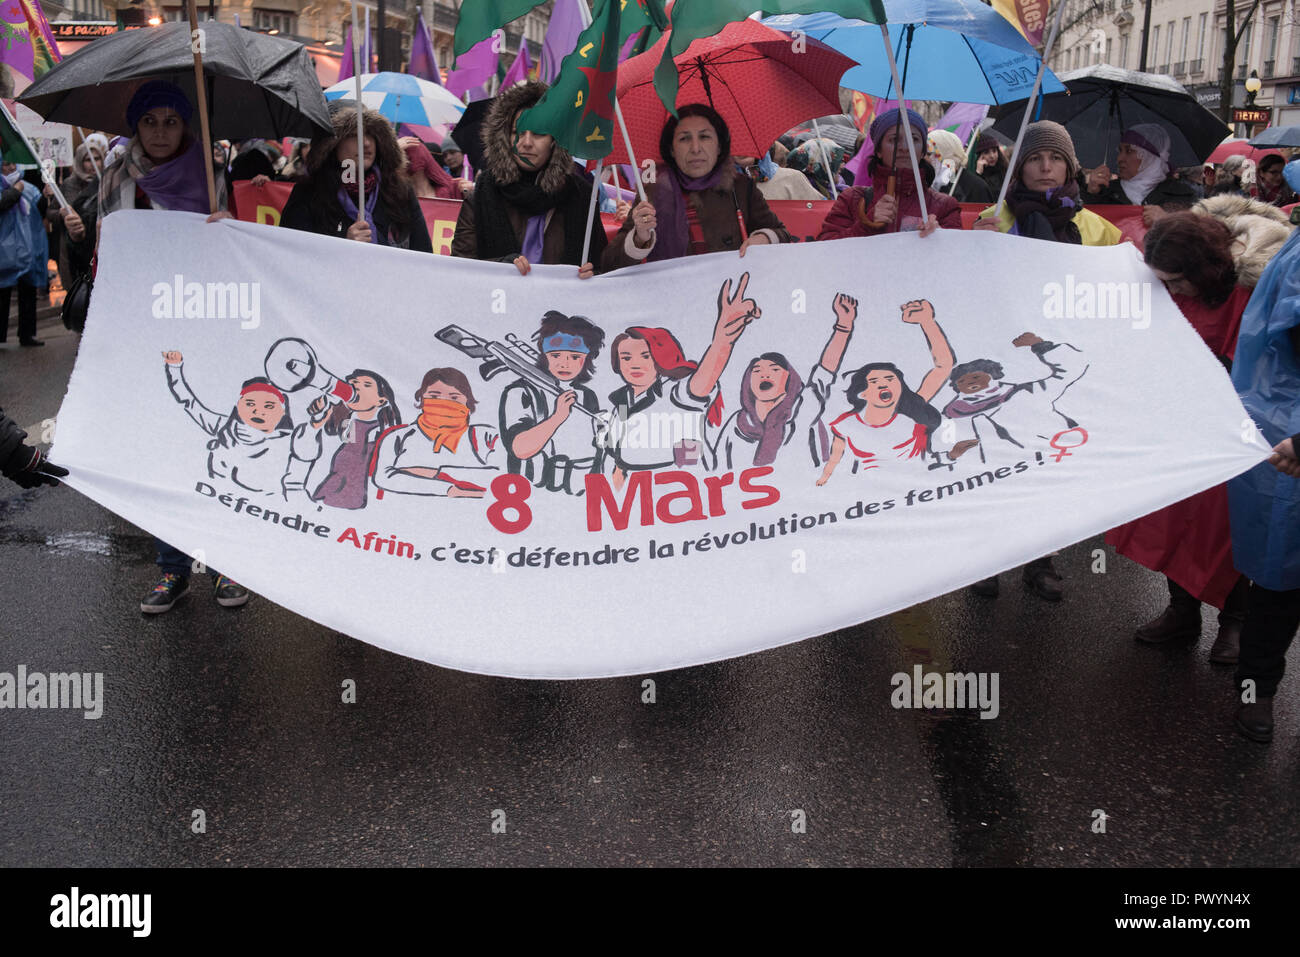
(1045, 134)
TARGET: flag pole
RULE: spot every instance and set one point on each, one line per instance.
(902, 105)
(618, 114)
(201, 94)
(1029, 107)
(361, 142)
(49, 180)
(591, 212)
(830, 174)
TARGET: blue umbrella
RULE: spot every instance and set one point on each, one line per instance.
(951, 50)
(1278, 136)
(402, 98)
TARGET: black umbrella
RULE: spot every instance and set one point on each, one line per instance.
(468, 133)
(1101, 102)
(258, 85)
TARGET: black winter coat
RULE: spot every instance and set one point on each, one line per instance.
(306, 211)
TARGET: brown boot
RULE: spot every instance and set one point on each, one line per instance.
(1176, 623)
(1227, 646)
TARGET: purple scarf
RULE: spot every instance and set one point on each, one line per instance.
(372, 196)
(962, 406)
(181, 183)
(534, 238)
(671, 232)
(770, 432)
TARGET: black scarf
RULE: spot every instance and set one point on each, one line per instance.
(495, 235)
(1041, 216)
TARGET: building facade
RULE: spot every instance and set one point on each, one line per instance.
(1186, 41)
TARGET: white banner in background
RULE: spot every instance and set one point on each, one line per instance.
(672, 464)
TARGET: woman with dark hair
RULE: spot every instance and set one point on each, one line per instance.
(779, 410)
(544, 441)
(1190, 541)
(889, 202)
(659, 416)
(878, 395)
(1273, 189)
(990, 163)
(441, 453)
(698, 204)
(358, 422)
(326, 201)
(528, 204)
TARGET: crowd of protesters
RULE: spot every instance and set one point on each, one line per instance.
(1218, 238)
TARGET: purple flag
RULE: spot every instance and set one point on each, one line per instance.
(519, 69)
(366, 66)
(345, 64)
(424, 62)
(962, 118)
(474, 68)
(561, 37)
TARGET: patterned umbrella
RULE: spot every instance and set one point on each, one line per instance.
(402, 98)
(759, 82)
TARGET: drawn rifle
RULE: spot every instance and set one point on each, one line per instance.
(514, 355)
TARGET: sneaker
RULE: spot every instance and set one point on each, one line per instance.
(170, 588)
(229, 593)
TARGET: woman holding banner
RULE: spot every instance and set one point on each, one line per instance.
(890, 203)
(699, 204)
(1043, 203)
(162, 167)
(1190, 541)
(326, 201)
(1043, 198)
(528, 204)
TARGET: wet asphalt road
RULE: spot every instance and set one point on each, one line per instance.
(239, 713)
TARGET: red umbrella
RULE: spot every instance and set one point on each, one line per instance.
(751, 74)
(1237, 148)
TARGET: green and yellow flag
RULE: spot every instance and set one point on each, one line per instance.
(12, 142)
(578, 109)
(480, 17)
(644, 16)
(692, 20)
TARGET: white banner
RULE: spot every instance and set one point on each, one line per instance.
(754, 451)
(52, 141)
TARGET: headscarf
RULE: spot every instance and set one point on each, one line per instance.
(1153, 142)
(769, 433)
(807, 158)
(667, 354)
(178, 184)
(672, 234)
(952, 156)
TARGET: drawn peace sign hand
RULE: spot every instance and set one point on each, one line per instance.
(734, 312)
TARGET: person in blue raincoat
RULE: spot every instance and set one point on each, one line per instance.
(1265, 502)
(22, 246)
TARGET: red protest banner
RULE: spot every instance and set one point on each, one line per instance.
(263, 204)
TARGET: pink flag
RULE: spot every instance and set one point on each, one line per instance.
(519, 69)
(474, 68)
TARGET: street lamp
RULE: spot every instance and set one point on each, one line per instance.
(1253, 86)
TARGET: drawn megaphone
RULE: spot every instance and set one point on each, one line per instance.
(291, 365)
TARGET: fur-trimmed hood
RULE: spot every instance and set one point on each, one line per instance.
(388, 156)
(1258, 231)
(499, 139)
